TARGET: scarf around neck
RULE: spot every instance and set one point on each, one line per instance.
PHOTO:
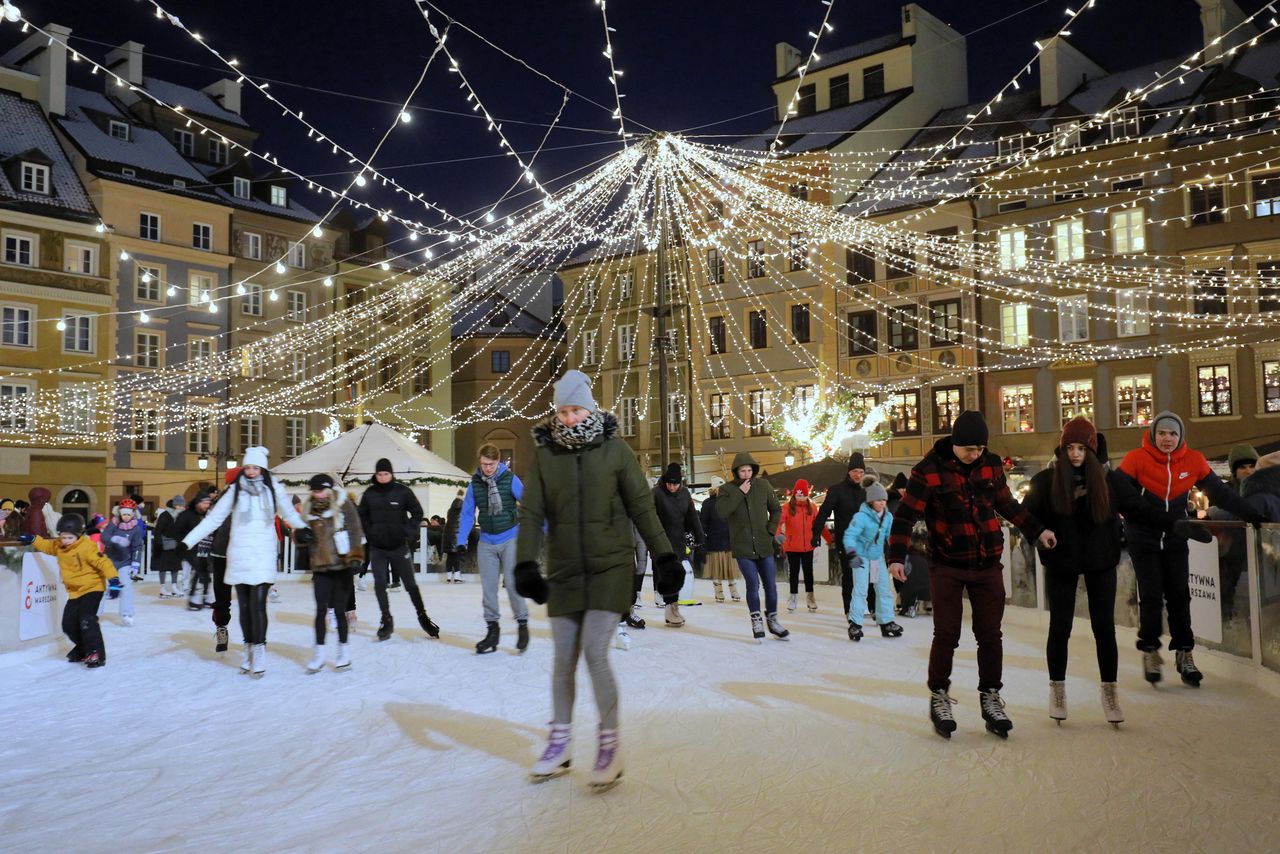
(495, 497)
(581, 434)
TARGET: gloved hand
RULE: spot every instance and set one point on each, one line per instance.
(120, 540)
(817, 541)
(135, 573)
(26, 539)
(668, 574)
(854, 561)
(304, 537)
(1199, 533)
(354, 565)
(779, 538)
(113, 588)
(529, 582)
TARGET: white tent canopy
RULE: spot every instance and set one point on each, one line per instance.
(353, 455)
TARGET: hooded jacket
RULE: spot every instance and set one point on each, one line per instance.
(82, 567)
(868, 533)
(797, 526)
(452, 522)
(340, 516)
(959, 505)
(390, 515)
(33, 521)
(753, 517)
(679, 517)
(587, 498)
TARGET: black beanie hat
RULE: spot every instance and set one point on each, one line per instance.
(320, 481)
(383, 464)
(673, 474)
(857, 462)
(969, 429)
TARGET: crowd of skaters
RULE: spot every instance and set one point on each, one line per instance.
(579, 532)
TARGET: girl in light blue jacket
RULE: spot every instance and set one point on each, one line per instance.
(864, 541)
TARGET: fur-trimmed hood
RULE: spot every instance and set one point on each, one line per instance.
(335, 506)
(542, 434)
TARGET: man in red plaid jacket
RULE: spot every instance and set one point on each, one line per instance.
(959, 488)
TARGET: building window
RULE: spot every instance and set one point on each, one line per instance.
(1008, 147)
(149, 226)
(1124, 123)
(626, 284)
(18, 417)
(146, 349)
(279, 196)
(800, 323)
(862, 333)
(838, 91)
(1015, 325)
(1068, 240)
(626, 342)
(627, 416)
(295, 437)
(948, 402)
(759, 408)
(1265, 189)
(298, 255)
(81, 258)
(873, 81)
(1066, 135)
(903, 331)
(199, 431)
(1068, 193)
(1271, 386)
(676, 414)
(798, 251)
(422, 376)
(758, 330)
(715, 335)
(252, 245)
(199, 349)
(1209, 292)
(1134, 405)
(860, 266)
(388, 373)
(904, 413)
(718, 416)
(200, 289)
(20, 249)
(715, 267)
(1073, 319)
(500, 361)
(1214, 389)
(1012, 206)
(1269, 286)
(217, 152)
(118, 130)
(1075, 399)
(251, 300)
(1132, 315)
(1016, 408)
(804, 396)
(806, 102)
(590, 353)
(755, 259)
(185, 141)
(146, 283)
(1013, 249)
(945, 322)
(241, 187)
(1205, 204)
(897, 266)
(78, 335)
(296, 305)
(202, 236)
(77, 408)
(298, 367)
(1128, 231)
(799, 190)
(250, 431)
(35, 178)
(1125, 185)
(15, 326)
(146, 427)
(942, 250)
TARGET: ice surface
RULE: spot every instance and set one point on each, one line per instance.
(816, 744)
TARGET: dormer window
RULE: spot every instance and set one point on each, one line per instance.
(279, 197)
(118, 130)
(240, 187)
(35, 178)
(179, 183)
(1011, 146)
(185, 141)
(217, 151)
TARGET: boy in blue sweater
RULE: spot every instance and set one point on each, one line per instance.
(864, 541)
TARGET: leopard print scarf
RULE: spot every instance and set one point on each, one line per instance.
(580, 435)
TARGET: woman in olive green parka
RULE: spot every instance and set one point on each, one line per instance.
(751, 508)
(585, 486)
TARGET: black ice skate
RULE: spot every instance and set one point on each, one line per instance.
(428, 626)
(522, 635)
(489, 643)
(94, 659)
(944, 723)
(891, 630)
(632, 621)
(855, 631)
(1151, 663)
(993, 713)
(1187, 669)
(757, 626)
(386, 627)
(775, 628)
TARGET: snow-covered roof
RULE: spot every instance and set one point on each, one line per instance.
(853, 51)
(293, 210)
(824, 129)
(191, 100)
(524, 306)
(23, 128)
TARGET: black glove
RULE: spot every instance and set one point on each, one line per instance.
(529, 582)
(354, 565)
(1199, 533)
(817, 541)
(668, 574)
(304, 537)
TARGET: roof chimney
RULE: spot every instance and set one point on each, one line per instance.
(226, 93)
(46, 59)
(1217, 19)
(786, 59)
(1062, 69)
(128, 54)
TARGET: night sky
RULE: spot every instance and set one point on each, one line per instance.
(685, 64)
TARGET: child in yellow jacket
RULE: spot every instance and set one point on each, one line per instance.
(87, 575)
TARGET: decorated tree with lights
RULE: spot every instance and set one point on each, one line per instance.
(831, 425)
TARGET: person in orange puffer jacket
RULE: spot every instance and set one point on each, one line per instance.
(795, 534)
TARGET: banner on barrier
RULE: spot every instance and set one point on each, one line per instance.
(38, 596)
(1206, 591)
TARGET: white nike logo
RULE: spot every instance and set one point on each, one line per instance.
(1181, 475)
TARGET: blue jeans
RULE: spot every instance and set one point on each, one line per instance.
(757, 570)
(884, 592)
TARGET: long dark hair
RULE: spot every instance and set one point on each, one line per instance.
(266, 483)
(1063, 493)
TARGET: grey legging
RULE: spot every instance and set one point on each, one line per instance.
(588, 632)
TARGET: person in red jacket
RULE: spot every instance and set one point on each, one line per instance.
(1165, 470)
(958, 488)
(795, 535)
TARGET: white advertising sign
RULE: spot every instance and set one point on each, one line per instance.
(38, 596)
(1206, 591)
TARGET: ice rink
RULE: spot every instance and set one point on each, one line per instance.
(814, 744)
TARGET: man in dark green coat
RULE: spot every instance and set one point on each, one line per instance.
(751, 508)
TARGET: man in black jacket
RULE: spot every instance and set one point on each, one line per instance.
(390, 516)
(842, 501)
(679, 519)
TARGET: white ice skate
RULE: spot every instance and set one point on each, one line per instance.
(246, 659)
(556, 759)
(622, 640)
(259, 660)
(607, 772)
(1111, 704)
(343, 661)
(1058, 701)
(316, 664)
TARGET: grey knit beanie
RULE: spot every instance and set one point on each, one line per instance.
(877, 492)
(574, 389)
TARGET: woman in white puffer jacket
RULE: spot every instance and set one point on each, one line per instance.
(253, 502)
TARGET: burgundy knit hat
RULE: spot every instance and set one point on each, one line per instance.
(1080, 431)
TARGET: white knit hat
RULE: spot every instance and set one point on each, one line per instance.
(255, 456)
(716, 481)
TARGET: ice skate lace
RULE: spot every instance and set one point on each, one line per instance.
(1188, 663)
(557, 741)
(1110, 699)
(941, 704)
(608, 747)
(992, 704)
(1058, 694)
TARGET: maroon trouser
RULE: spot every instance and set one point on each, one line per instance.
(985, 587)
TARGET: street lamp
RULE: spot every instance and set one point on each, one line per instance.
(202, 462)
(790, 459)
